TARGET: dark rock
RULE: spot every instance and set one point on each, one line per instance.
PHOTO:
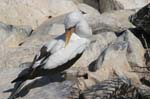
(144, 92)
(114, 88)
(142, 18)
(142, 36)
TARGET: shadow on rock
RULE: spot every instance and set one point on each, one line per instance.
(92, 67)
(37, 82)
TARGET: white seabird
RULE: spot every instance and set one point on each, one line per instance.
(62, 52)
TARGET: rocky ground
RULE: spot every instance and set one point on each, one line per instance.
(115, 66)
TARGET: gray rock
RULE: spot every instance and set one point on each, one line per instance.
(113, 60)
(26, 29)
(11, 35)
(115, 21)
(116, 48)
(135, 51)
(142, 18)
(10, 29)
(5, 26)
(110, 5)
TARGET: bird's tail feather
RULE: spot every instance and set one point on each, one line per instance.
(18, 89)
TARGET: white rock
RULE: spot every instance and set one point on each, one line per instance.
(32, 12)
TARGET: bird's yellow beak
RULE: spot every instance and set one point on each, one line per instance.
(68, 35)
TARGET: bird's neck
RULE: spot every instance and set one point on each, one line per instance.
(83, 30)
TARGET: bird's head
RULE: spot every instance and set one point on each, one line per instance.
(75, 23)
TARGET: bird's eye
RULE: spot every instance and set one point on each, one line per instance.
(71, 28)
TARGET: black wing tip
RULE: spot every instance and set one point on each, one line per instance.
(17, 80)
(20, 78)
(14, 81)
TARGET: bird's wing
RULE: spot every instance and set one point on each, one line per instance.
(67, 53)
(51, 47)
(42, 56)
